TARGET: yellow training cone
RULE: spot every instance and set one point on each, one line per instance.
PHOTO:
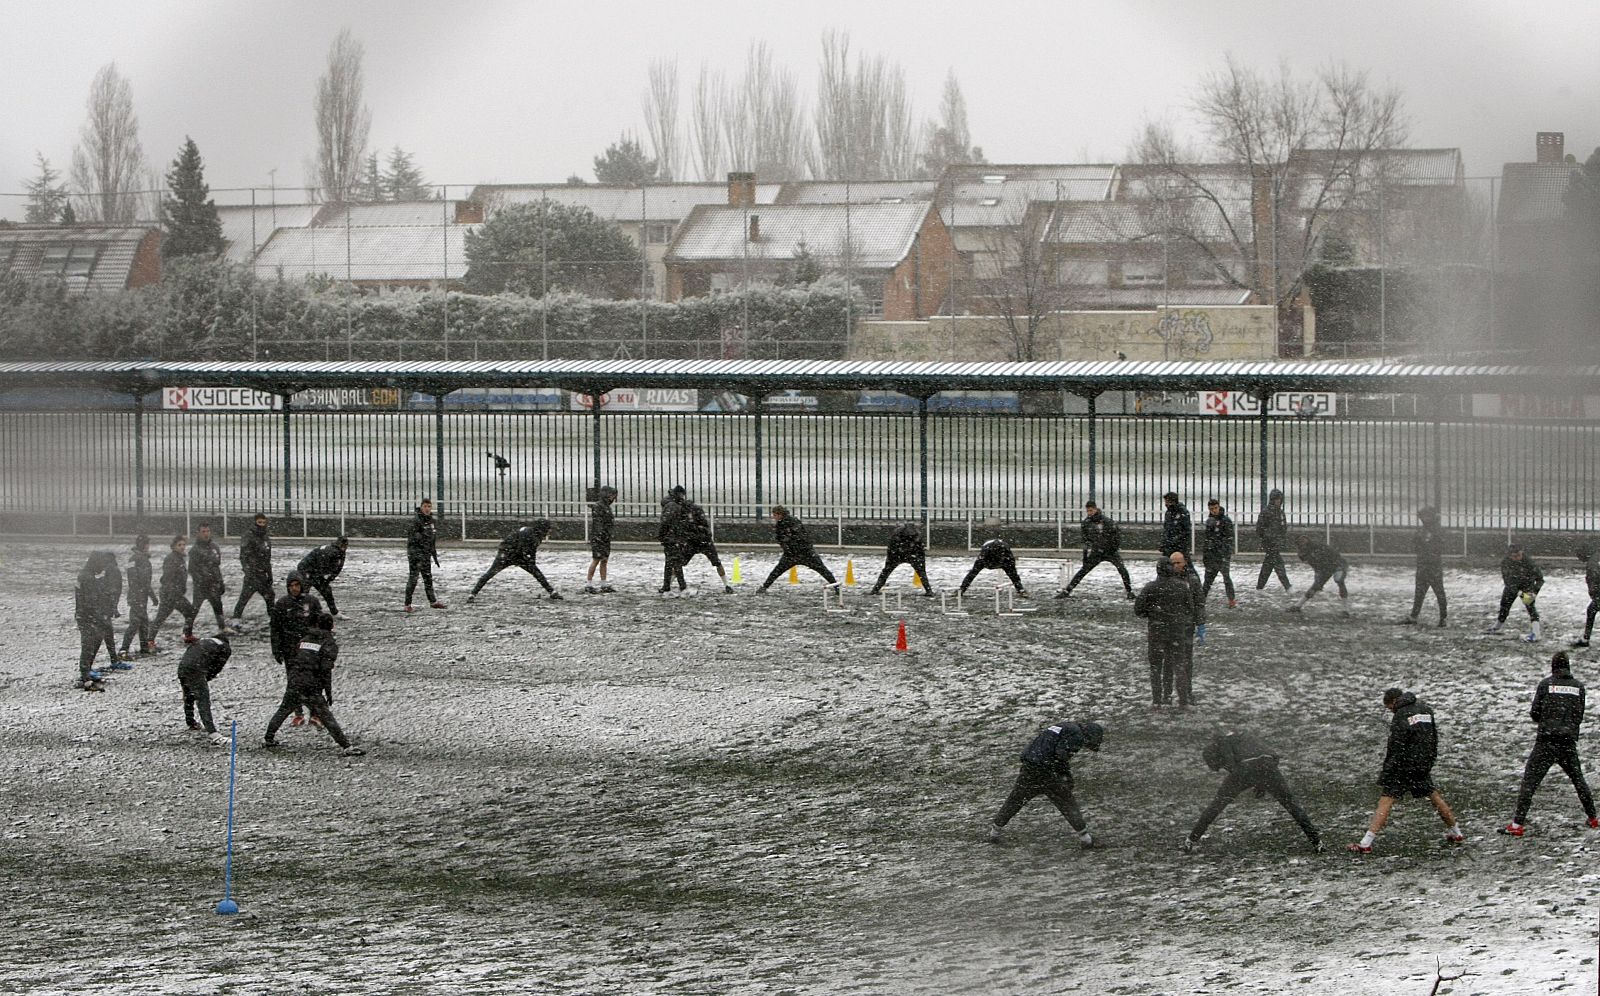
(794, 575)
(916, 580)
(737, 578)
(850, 572)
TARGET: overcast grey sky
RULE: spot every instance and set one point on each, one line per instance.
(506, 91)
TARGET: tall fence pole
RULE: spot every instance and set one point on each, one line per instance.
(1266, 404)
(288, 464)
(760, 471)
(138, 456)
(594, 412)
(1093, 421)
(1438, 453)
(922, 460)
(438, 447)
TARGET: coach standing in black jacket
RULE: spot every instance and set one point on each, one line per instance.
(1272, 529)
(1558, 705)
(1217, 553)
(255, 558)
(1167, 605)
(422, 554)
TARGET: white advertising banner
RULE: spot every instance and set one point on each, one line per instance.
(1574, 406)
(1288, 404)
(655, 399)
(218, 399)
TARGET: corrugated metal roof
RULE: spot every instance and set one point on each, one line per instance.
(430, 212)
(97, 258)
(384, 254)
(881, 235)
(1532, 192)
(243, 240)
(862, 192)
(911, 378)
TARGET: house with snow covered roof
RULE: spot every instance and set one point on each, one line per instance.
(87, 258)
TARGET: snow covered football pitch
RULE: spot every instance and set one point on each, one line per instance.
(741, 794)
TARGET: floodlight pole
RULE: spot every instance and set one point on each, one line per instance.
(138, 455)
(1093, 423)
(288, 480)
(756, 407)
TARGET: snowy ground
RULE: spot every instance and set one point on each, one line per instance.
(733, 794)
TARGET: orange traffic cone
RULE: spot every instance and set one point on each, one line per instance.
(850, 571)
(916, 579)
(794, 575)
(900, 643)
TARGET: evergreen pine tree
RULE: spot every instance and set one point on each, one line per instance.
(403, 181)
(370, 187)
(46, 196)
(193, 228)
(68, 216)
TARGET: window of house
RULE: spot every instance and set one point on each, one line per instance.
(994, 178)
(658, 233)
(1083, 273)
(74, 262)
(1143, 273)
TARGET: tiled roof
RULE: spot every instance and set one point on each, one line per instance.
(881, 234)
(863, 192)
(998, 195)
(1532, 192)
(653, 202)
(243, 241)
(377, 254)
(1097, 222)
(95, 258)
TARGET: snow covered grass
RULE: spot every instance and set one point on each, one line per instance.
(742, 794)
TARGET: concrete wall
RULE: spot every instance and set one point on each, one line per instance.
(1232, 332)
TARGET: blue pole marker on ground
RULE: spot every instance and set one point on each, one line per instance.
(228, 907)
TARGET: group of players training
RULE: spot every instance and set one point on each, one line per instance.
(1173, 605)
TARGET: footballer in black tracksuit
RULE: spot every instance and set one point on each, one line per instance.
(1272, 529)
(200, 665)
(519, 549)
(422, 554)
(205, 574)
(602, 523)
(255, 557)
(1217, 551)
(173, 592)
(1558, 706)
(95, 597)
(1591, 577)
(1171, 607)
(994, 555)
(141, 595)
(1519, 576)
(674, 535)
(796, 547)
(1327, 564)
(905, 547)
(293, 618)
(1250, 764)
(1102, 544)
(1411, 751)
(1177, 532)
(321, 566)
(1428, 544)
(310, 684)
(1047, 771)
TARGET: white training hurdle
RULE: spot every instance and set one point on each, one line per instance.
(883, 603)
(1012, 608)
(944, 604)
(831, 608)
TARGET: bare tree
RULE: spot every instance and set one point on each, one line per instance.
(706, 123)
(1022, 285)
(342, 119)
(863, 122)
(949, 140)
(1283, 159)
(762, 121)
(110, 176)
(662, 121)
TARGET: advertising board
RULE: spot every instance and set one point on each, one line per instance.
(219, 399)
(1285, 404)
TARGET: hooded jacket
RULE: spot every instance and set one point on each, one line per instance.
(1323, 558)
(996, 555)
(905, 543)
(1558, 705)
(676, 528)
(1054, 745)
(205, 567)
(1521, 575)
(1413, 740)
(1176, 529)
(1218, 538)
(99, 588)
(1167, 603)
(140, 589)
(1238, 752)
(1100, 535)
(292, 618)
(522, 546)
(1271, 525)
(255, 553)
(174, 577)
(1591, 576)
(421, 542)
(1428, 541)
(793, 538)
(208, 657)
(322, 564)
(602, 519)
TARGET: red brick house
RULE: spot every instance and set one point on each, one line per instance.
(87, 258)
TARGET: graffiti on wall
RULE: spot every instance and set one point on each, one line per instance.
(1186, 333)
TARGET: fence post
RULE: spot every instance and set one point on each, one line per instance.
(438, 447)
(841, 530)
(1058, 529)
(138, 457)
(756, 406)
(594, 420)
(1438, 453)
(463, 507)
(288, 500)
(1093, 421)
(340, 505)
(922, 462)
(1266, 403)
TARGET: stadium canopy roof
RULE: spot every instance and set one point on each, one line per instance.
(916, 379)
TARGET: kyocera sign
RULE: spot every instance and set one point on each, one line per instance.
(218, 399)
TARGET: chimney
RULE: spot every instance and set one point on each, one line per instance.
(741, 190)
(755, 228)
(1549, 146)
